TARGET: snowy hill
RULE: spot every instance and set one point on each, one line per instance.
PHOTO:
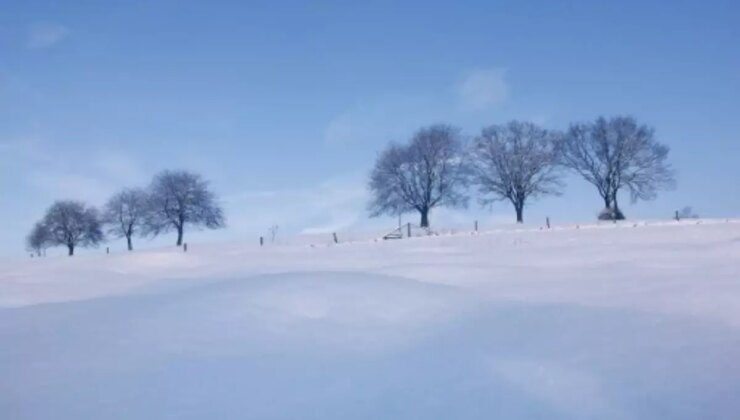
(607, 321)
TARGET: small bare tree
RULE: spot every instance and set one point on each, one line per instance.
(39, 239)
(614, 154)
(178, 199)
(273, 232)
(125, 213)
(515, 162)
(424, 174)
(72, 224)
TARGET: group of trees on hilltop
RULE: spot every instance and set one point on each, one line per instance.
(174, 200)
(518, 162)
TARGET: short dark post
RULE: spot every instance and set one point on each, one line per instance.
(185, 247)
(408, 230)
(476, 226)
(262, 241)
(107, 250)
(336, 241)
(677, 217)
(547, 220)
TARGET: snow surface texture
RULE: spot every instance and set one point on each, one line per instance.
(623, 321)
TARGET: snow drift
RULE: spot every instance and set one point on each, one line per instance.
(608, 321)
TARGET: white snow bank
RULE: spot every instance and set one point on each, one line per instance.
(611, 323)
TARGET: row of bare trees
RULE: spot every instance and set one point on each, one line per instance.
(518, 162)
(173, 201)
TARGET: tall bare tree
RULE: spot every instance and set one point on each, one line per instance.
(125, 214)
(72, 224)
(39, 239)
(515, 162)
(425, 173)
(178, 199)
(617, 153)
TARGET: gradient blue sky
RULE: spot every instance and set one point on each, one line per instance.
(284, 106)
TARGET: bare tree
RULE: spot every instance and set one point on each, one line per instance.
(424, 174)
(515, 162)
(125, 214)
(39, 239)
(614, 154)
(273, 232)
(72, 224)
(178, 199)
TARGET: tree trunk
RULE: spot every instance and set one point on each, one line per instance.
(424, 218)
(618, 215)
(607, 202)
(179, 235)
(71, 249)
(519, 213)
(130, 245)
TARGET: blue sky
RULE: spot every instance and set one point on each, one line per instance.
(284, 107)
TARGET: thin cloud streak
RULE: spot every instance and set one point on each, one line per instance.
(335, 204)
(45, 35)
(483, 88)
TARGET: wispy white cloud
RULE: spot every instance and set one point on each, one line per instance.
(395, 116)
(333, 205)
(343, 129)
(45, 35)
(483, 88)
(73, 174)
(383, 117)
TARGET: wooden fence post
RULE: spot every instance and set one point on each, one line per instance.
(262, 240)
(677, 216)
(476, 226)
(547, 220)
(185, 247)
(336, 241)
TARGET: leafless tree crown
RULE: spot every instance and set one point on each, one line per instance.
(181, 198)
(617, 153)
(72, 224)
(425, 173)
(515, 162)
(39, 239)
(125, 214)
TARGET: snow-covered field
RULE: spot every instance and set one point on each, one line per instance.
(600, 322)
